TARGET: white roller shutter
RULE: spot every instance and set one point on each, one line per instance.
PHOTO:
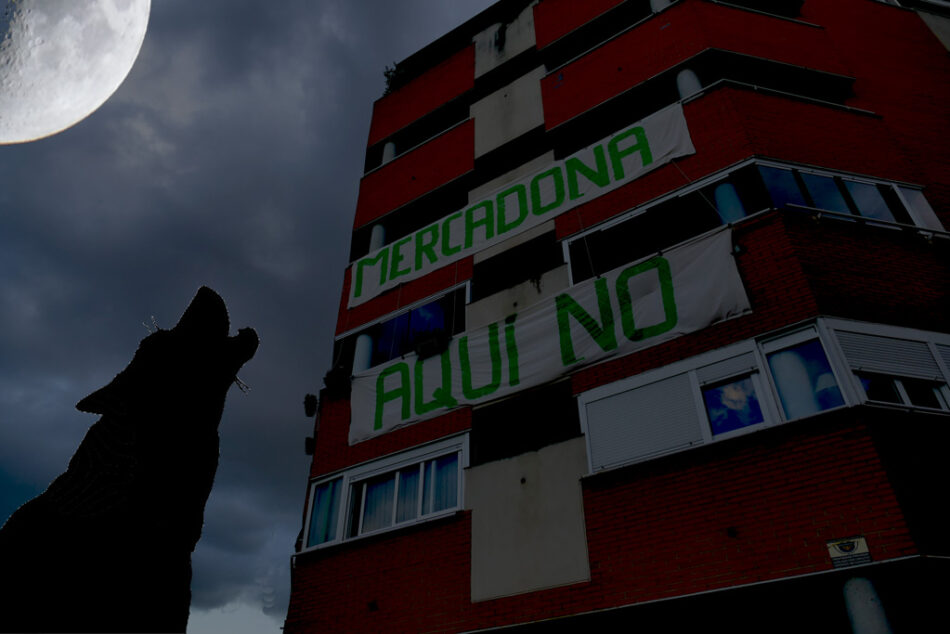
(646, 421)
(888, 355)
(733, 366)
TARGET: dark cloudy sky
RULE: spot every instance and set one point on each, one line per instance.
(230, 157)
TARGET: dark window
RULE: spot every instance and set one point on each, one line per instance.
(527, 261)
(880, 388)
(783, 186)
(903, 390)
(824, 193)
(668, 223)
(525, 422)
(424, 330)
(878, 201)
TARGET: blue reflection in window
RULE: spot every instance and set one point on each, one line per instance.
(426, 319)
(732, 405)
(390, 342)
(324, 514)
(869, 201)
(825, 193)
(782, 186)
(804, 380)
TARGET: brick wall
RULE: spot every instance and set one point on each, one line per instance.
(446, 81)
(417, 172)
(556, 18)
(756, 508)
(403, 295)
(672, 37)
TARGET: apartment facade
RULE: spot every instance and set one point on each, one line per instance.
(645, 322)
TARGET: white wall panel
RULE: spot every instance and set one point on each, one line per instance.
(509, 112)
(500, 42)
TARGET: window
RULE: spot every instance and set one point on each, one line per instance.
(897, 366)
(425, 330)
(527, 261)
(803, 378)
(732, 405)
(405, 495)
(728, 198)
(755, 384)
(844, 195)
(903, 390)
(324, 512)
(387, 494)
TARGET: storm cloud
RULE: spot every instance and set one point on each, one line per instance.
(230, 157)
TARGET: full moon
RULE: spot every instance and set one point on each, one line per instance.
(62, 59)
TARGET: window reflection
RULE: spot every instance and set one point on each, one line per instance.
(869, 201)
(825, 193)
(879, 388)
(804, 380)
(325, 513)
(732, 405)
(782, 186)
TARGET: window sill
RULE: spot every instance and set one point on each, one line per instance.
(365, 538)
(902, 407)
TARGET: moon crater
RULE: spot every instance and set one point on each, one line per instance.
(62, 59)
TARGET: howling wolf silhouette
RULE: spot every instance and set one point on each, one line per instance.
(108, 546)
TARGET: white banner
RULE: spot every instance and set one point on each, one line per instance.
(526, 203)
(628, 309)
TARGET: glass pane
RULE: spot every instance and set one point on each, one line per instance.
(923, 212)
(407, 500)
(879, 388)
(782, 186)
(378, 511)
(441, 484)
(825, 193)
(732, 405)
(804, 380)
(391, 340)
(426, 319)
(445, 485)
(325, 512)
(869, 201)
(353, 513)
(728, 204)
(923, 393)
(429, 467)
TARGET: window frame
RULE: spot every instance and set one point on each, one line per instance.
(920, 223)
(354, 333)
(393, 463)
(764, 384)
(858, 394)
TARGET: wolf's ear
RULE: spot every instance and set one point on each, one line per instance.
(105, 400)
(206, 316)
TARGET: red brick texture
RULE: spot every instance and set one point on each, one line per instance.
(401, 296)
(754, 509)
(750, 509)
(672, 37)
(555, 18)
(446, 81)
(729, 125)
(415, 173)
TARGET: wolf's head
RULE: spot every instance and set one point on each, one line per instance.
(179, 375)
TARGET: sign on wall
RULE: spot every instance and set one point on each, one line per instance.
(523, 204)
(628, 309)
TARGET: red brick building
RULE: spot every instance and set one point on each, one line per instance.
(646, 323)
